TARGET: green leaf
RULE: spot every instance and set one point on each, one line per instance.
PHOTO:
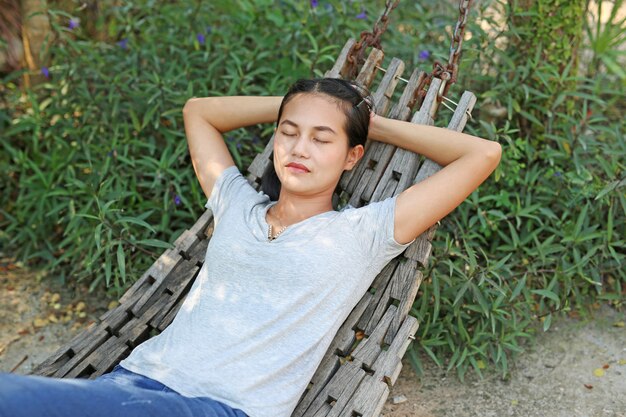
(121, 261)
(135, 220)
(548, 294)
(546, 322)
(156, 243)
(97, 237)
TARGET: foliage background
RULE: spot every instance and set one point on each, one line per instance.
(96, 176)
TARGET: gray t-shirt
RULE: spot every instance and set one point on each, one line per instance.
(260, 315)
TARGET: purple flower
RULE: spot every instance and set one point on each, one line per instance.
(45, 72)
(123, 43)
(73, 24)
(557, 174)
(177, 200)
(314, 3)
(200, 38)
(362, 15)
(239, 145)
(424, 55)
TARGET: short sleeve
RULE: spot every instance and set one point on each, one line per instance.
(229, 189)
(374, 225)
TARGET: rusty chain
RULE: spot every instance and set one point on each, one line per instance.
(356, 56)
(447, 72)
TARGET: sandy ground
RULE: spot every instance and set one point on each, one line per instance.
(578, 368)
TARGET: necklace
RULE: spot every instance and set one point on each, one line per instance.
(270, 236)
(269, 233)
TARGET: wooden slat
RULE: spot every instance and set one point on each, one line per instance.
(341, 344)
(260, 162)
(380, 283)
(368, 71)
(341, 63)
(423, 116)
(384, 92)
(185, 242)
(368, 400)
(370, 347)
(200, 226)
(338, 391)
(402, 110)
(179, 290)
(175, 260)
(198, 253)
(404, 289)
(389, 362)
(155, 274)
(377, 154)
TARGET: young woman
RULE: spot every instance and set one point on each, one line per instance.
(283, 269)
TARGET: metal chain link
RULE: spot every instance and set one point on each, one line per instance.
(356, 56)
(448, 72)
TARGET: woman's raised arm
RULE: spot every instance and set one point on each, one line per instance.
(205, 121)
(467, 161)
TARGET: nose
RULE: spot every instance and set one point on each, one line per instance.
(300, 147)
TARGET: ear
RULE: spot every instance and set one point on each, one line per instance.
(354, 155)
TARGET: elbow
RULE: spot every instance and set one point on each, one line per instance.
(197, 103)
(494, 153)
(187, 106)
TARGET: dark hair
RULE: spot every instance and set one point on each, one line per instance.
(353, 99)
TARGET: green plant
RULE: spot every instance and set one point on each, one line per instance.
(546, 235)
(606, 39)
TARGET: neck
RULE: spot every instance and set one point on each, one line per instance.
(292, 208)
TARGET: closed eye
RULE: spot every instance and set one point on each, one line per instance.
(320, 141)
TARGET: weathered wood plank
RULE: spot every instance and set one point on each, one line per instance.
(403, 109)
(342, 387)
(260, 162)
(384, 92)
(200, 226)
(370, 347)
(174, 261)
(404, 289)
(368, 400)
(154, 275)
(341, 63)
(389, 362)
(424, 115)
(185, 242)
(341, 344)
(380, 284)
(368, 70)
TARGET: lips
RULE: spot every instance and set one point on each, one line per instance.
(297, 166)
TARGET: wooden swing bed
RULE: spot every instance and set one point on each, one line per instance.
(364, 359)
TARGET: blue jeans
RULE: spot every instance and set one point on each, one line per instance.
(120, 393)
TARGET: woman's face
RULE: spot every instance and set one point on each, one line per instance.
(311, 146)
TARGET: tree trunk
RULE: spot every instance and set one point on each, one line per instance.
(12, 52)
(36, 38)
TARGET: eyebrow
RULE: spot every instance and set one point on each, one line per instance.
(319, 128)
